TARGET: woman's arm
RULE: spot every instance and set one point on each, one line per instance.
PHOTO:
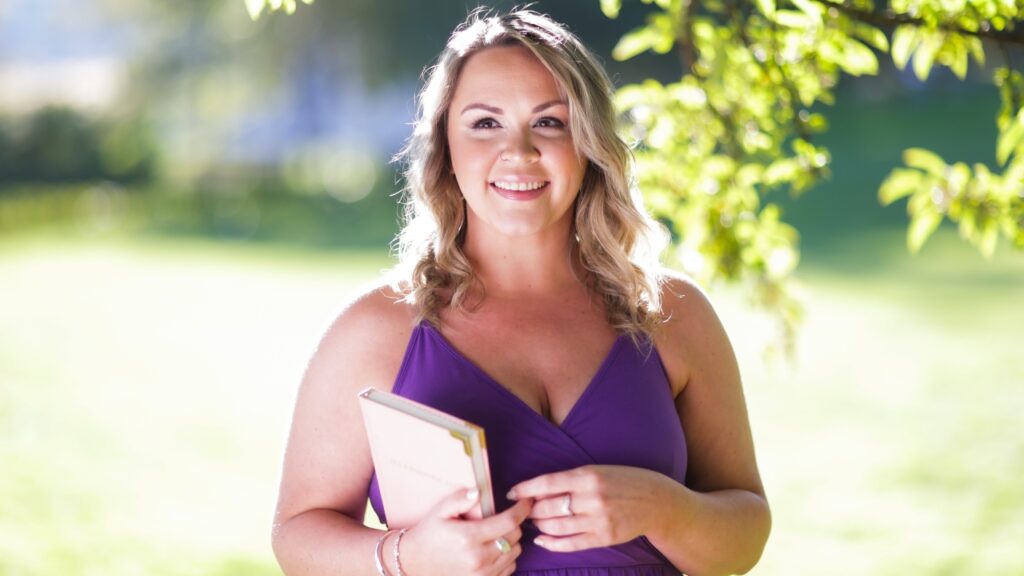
(327, 466)
(719, 522)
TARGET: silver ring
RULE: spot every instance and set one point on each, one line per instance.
(503, 545)
(567, 505)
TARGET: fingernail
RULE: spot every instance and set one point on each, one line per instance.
(539, 542)
(511, 495)
(472, 494)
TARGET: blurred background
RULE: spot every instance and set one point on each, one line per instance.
(187, 197)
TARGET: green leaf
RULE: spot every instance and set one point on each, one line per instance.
(781, 170)
(857, 58)
(959, 61)
(611, 8)
(924, 57)
(793, 19)
(871, 35)
(976, 49)
(658, 35)
(633, 43)
(749, 174)
(959, 176)
(254, 7)
(1010, 138)
(921, 227)
(816, 122)
(904, 40)
(989, 237)
(900, 182)
(925, 160)
(767, 7)
(812, 9)
(664, 34)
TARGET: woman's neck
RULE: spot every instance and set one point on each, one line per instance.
(533, 266)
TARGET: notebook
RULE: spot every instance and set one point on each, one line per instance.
(421, 454)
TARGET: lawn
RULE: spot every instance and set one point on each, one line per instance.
(146, 387)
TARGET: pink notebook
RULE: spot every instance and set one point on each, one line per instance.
(421, 455)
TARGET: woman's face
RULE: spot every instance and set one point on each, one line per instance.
(511, 148)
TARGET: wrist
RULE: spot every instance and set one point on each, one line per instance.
(672, 507)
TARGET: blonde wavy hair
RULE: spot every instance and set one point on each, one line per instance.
(617, 243)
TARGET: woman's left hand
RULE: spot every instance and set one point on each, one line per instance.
(593, 506)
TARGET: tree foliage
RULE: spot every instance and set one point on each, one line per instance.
(738, 124)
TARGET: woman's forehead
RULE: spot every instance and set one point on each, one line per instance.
(506, 73)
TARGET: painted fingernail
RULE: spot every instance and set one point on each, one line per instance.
(540, 542)
(472, 494)
(511, 495)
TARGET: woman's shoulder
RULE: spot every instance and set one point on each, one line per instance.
(380, 305)
(692, 337)
(369, 332)
(683, 302)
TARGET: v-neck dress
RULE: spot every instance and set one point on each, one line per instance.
(626, 416)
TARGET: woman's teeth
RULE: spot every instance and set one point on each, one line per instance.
(519, 186)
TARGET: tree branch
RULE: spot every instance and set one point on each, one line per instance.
(890, 19)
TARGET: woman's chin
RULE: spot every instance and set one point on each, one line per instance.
(520, 227)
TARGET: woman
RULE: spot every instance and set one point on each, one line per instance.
(528, 300)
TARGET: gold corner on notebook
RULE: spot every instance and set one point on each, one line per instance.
(466, 444)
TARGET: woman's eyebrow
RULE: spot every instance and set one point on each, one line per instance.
(496, 110)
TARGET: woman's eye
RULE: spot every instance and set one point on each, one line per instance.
(549, 122)
(485, 123)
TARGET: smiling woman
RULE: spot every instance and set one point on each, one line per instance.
(529, 301)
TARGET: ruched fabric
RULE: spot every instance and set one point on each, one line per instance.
(626, 416)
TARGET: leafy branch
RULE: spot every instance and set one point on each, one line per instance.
(737, 125)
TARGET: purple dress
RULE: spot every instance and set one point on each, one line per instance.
(626, 416)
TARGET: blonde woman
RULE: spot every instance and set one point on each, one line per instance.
(529, 300)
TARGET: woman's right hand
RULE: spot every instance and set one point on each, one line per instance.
(444, 543)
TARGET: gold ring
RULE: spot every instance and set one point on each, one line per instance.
(503, 545)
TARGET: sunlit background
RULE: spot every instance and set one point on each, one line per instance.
(187, 197)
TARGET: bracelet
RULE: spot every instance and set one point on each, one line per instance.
(377, 557)
(398, 562)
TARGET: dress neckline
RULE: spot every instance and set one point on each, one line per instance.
(490, 380)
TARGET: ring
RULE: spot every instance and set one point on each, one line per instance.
(567, 505)
(503, 545)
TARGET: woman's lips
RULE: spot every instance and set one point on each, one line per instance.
(520, 195)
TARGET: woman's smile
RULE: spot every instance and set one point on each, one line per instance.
(520, 190)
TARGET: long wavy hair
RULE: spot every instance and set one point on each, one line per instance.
(616, 242)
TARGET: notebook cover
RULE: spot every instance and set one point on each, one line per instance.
(419, 462)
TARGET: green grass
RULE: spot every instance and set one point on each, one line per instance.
(146, 387)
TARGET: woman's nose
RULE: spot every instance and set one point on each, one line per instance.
(520, 149)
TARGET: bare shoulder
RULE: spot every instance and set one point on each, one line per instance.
(369, 334)
(692, 340)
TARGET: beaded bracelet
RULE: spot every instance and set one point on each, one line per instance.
(378, 558)
(398, 562)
